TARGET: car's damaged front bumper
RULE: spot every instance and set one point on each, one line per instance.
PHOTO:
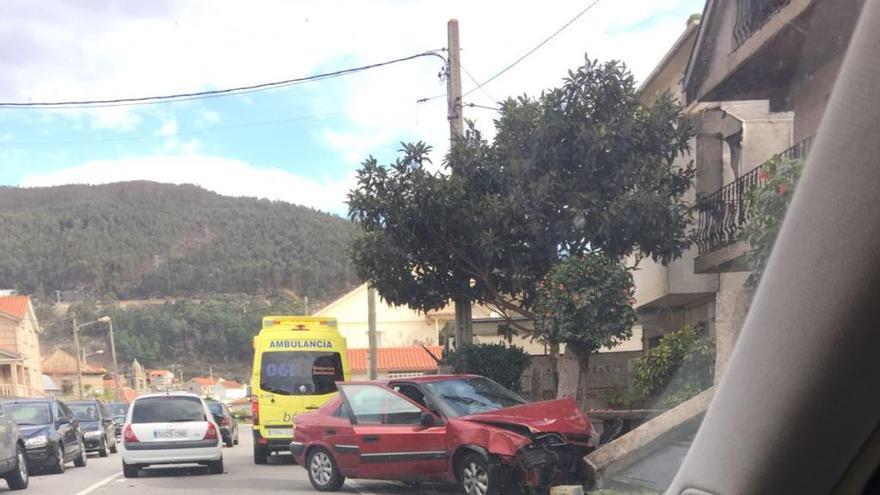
(550, 460)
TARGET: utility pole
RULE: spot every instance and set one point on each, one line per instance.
(371, 332)
(115, 363)
(77, 353)
(463, 316)
(306, 305)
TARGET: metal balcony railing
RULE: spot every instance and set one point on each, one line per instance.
(722, 214)
(751, 15)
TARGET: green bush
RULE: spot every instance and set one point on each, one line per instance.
(680, 367)
(501, 363)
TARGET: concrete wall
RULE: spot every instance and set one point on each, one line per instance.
(809, 96)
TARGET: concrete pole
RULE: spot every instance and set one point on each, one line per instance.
(77, 353)
(453, 80)
(371, 333)
(306, 305)
(116, 382)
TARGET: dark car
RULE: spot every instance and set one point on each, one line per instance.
(117, 411)
(51, 433)
(98, 429)
(228, 425)
(463, 429)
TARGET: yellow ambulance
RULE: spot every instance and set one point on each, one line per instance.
(297, 362)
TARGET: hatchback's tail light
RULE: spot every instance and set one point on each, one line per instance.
(128, 435)
(211, 433)
(255, 409)
(224, 421)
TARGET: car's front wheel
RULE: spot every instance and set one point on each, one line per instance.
(83, 457)
(323, 471)
(104, 450)
(473, 475)
(19, 477)
(113, 448)
(58, 466)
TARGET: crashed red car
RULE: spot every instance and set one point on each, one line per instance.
(462, 429)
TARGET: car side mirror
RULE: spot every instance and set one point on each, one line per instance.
(426, 419)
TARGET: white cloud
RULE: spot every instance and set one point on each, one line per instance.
(169, 128)
(210, 116)
(223, 175)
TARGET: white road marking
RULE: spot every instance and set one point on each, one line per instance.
(99, 484)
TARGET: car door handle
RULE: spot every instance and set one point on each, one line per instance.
(370, 438)
(330, 432)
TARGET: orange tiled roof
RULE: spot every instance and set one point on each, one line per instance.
(396, 359)
(201, 380)
(231, 384)
(14, 305)
(62, 363)
(159, 372)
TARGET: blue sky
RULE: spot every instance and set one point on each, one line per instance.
(300, 144)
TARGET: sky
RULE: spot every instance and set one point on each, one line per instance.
(302, 144)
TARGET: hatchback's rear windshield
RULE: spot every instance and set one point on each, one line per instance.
(300, 372)
(168, 410)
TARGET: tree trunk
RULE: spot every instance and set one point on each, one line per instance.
(464, 330)
(573, 370)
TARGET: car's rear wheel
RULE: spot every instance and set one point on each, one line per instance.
(83, 457)
(58, 466)
(473, 475)
(323, 471)
(130, 470)
(216, 467)
(19, 477)
(261, 454)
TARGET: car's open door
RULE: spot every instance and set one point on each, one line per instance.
(396, 438)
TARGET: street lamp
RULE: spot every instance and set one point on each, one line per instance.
(96, 353)
(109, 322)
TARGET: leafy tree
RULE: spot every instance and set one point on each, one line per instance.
(586, 303)
(767, 203)
(501, 363)
(678, 368)
(583, 168)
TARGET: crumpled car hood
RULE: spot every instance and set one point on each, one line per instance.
(559, 415)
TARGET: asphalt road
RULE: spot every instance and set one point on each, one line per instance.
(103, 476)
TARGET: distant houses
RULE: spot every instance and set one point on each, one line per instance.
(20, 372)
(60, 366)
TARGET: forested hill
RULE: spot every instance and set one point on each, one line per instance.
(144, 239)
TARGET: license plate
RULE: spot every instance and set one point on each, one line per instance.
(169, 434)
(280, 432)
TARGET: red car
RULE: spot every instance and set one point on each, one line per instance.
(461, 429)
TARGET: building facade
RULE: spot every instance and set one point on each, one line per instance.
(20, 364)
(61, 367)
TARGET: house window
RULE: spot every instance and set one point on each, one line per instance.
(405, 374)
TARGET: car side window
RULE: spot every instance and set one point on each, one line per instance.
(342, 411)
(372, 404)
(65, 411)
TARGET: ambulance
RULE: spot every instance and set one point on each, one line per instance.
(297, 362)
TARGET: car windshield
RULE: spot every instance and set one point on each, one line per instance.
(168, 409)
(84, 412)
(300, 372)
(473, 395)
(216, 408)
(117, 409)
(29, 414)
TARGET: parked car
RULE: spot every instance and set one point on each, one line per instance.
(463, 429)
(117, 412)
(13, 463)
(170, 428)
(228, 424)
(51, 433)
(97, 428)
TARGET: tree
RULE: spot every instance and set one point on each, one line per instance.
(585, 303)
(583, 168)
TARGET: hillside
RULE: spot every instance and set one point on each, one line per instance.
(142, 239)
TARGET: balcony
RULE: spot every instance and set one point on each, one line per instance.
(722, 215)
(751, 15)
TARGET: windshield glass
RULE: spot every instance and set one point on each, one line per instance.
(84, 412)
(168, 410)
(117, 409)
(30, 414)
(216, 408)
(473, 395)
(300, 373)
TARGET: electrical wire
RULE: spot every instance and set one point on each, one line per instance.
(212, 93)
(533, 50)
(474, 79)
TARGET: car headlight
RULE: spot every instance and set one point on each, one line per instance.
(93, 434)
(37, 441)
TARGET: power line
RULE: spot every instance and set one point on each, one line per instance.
(472, 78)
(533, 50)
(212, 93)
(475, 105)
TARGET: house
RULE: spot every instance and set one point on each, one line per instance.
(60, 366)
(757, 80)
(160, 379)
(20, 371)
(232, 390)
(202, 386)
(396, 326)
(395, 362)
(240, 408)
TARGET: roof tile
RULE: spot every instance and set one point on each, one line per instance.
(396, 359)
(14, 305)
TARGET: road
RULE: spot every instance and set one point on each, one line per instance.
(103, 476)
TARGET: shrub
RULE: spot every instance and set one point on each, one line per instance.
(680, 367)
(501, 363)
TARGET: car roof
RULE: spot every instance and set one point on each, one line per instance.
(24, 400)
(166, 394)
(432, 378)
